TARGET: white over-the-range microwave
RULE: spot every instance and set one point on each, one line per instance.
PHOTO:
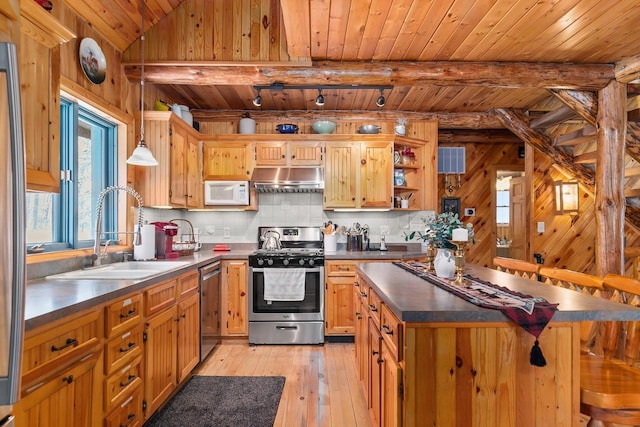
(226, 193)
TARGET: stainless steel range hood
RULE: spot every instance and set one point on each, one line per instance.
(288, 180)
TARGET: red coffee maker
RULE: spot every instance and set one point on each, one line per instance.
(164, 239)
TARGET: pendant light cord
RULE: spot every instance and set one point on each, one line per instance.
(142, 75)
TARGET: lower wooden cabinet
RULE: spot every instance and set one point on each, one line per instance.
(338, 302)
(391, 387)
(161, 352)
(64, 400)
(188, 336)
(235, 298)
(128, 413)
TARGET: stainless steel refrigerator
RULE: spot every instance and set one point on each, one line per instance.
(12, 232)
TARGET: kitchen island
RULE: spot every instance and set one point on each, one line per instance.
(458, 364)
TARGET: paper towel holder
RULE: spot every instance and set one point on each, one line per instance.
(146, 251)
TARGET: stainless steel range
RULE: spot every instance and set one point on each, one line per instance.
(286, 287)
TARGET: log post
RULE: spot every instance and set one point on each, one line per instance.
(611, 125)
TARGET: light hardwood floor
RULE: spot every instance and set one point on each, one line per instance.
(321, 387)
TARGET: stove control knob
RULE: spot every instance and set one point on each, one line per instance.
(270, 261)
(285, 261)
(311, 261)
(260, 261)
(301, 262)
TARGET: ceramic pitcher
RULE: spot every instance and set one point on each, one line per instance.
(444, 263)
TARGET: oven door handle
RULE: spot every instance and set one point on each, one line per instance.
(286, 328)
(306, 269)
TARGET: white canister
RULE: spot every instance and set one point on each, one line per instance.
(186, 115)
(330, 243)
(247, 125)
(175, 109)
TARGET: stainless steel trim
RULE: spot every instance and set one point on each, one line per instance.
(286, 332)
(288, 180)
(209, 316)
(15, 249)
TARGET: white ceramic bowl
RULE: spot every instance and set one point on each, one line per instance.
(324, 126)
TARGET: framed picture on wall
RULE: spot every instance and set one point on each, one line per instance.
(451, 204)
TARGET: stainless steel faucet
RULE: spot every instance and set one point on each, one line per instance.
(98, 256)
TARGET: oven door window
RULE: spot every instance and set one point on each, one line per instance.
(312, 296)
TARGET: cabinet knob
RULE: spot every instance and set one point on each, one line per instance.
(363, 162)
(68, 379)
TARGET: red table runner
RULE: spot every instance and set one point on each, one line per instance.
(531, 313)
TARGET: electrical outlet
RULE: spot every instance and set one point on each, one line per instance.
(211, 229)
(470, 211)
(384, 230)
(227, 233)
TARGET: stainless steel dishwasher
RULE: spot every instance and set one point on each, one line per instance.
(209, 308)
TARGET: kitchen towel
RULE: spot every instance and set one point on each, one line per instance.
(147, 249)
(284, 284)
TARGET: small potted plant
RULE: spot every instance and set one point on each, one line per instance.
(407, 156)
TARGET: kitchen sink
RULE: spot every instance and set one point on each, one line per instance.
(133, 270)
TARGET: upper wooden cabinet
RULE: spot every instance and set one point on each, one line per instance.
(227, 159)
(288, 153)
(175, 182)
(358, 173)
(39, 56)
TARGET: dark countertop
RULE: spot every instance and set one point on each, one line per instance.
(413, 299)
(47, 300)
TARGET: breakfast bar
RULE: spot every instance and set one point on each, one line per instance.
(459, 364)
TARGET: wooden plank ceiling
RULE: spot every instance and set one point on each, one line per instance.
(208, 54)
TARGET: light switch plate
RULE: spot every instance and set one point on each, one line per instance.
(541, 227)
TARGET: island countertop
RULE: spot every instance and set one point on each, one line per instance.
(413, 299)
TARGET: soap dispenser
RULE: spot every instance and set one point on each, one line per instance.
(383, 244)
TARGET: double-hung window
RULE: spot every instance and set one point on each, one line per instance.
(88, 153)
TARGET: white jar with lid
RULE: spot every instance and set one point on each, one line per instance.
(186, 115)
(175, 109)
(246, 124)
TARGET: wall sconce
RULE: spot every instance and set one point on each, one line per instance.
(452, 186)
(566, 198)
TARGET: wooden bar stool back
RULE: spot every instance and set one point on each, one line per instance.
(517, 267)
(610, 383)
(579, 282)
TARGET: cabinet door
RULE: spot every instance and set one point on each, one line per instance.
(376, 175)
(391, 389)
(375, 371)
(227, 161)
(305, 153)
(340, 175)
(188, 335)
(235, 302)
(361, 338)
(271, 153)
(194, 182)
(178, 172)
(67, 400)
(160, 358)
(339, 305)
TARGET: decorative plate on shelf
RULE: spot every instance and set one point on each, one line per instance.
(396, 157)
(92, 61)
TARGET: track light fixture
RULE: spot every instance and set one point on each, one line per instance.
(257, 101)
(380, 101)
(320, 98)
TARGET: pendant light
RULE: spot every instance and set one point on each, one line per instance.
(142, 156)
(380, 101)
(320, 98)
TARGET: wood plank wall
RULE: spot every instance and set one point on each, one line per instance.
(476, 193)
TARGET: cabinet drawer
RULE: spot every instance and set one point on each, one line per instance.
(128, 413)
(120, 350)
(48, 352)
(188, 284)
(391, 329)
(340, 269)
(123, 314)
(160, 297)
(362, 289)
(373, 304)
(119, 386)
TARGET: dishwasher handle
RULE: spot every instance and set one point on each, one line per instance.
(209, 271)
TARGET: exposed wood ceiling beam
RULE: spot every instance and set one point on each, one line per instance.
(577, 137)
(627, 70)
(585, 104)
(477, 120)
(480, 136)
(554, 117)
(516, 121)
(439, 73)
